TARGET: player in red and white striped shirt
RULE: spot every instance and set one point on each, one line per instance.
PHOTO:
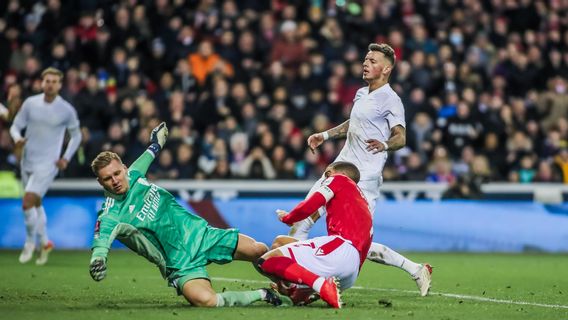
(331, 262)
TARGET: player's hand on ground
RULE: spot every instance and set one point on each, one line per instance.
(62, 164)
(281, 214)
(375, 146)
(159, 134)
(98, 269)
(315, 140)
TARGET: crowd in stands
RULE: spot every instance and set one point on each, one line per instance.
(242, 84)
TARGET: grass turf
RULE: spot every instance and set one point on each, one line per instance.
(134, 289)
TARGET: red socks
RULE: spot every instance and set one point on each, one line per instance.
(287, 269)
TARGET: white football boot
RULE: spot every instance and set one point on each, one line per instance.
(423, 278)
(27, 252)
(44, 253)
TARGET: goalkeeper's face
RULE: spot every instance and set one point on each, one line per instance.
(113, 178)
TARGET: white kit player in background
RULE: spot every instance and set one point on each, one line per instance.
(376, 124)
(45, 117)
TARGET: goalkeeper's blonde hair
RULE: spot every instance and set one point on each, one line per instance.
(104, 159)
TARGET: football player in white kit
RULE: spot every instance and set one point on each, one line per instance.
(45, 117)
(376, 124)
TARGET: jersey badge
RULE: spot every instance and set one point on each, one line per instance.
(143, 181)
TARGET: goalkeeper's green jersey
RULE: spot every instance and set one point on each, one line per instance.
(150, 221)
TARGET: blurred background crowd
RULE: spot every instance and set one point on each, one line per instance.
(242, 84)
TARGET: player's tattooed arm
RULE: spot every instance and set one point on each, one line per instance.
(316, 139)
(397, 139)
(340, 131)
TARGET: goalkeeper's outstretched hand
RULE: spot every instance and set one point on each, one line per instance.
(159, 134)
(98, 269)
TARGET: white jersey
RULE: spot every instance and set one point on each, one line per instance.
(372, 117)
(45, 125)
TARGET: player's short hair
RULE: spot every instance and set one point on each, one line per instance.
(53, 71)
(385, 49)
(102, 160)
(348, 169)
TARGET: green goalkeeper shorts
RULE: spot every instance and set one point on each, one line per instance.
(218, 246)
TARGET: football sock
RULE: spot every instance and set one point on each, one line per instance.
(285, 268)
(318, 284)
(41, 228)
(30, 219)
(382, 254)
(238, 298)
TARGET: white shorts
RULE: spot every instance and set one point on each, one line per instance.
(326, 256)
(370, 189)
(38, 181)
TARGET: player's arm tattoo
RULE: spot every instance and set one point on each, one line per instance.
(397, 139)
(340, 131)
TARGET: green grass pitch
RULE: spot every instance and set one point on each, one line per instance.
(466, 286)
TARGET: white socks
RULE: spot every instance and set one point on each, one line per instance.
(382, 254)
(36, 224)
(30, 219)
(318, 284)
(41, 227)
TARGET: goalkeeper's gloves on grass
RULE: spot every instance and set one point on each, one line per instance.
(98, 269)
(158, 138)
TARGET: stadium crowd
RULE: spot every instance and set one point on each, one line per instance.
(242, 84)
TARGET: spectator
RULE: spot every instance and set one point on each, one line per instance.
(93, 109)
(414, 169)
(186, 164)
(165, 168)
(461, 130)
(257, 166)
(561, 161)
(205, 61)
(288, 49)
(231, 66)
(553, 104)
(527, 170)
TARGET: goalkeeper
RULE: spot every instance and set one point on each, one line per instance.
(149, 221)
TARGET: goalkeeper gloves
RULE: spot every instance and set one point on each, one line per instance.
(98, 269)
(158, 138)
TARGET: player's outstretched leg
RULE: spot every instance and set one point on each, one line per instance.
(45, 243)
(421, 273)
(280, 241)
(277, 265)
(30, 220)
(199, 293)
(249, 249)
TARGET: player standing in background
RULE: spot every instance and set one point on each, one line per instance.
(149, 221)
(45, 117)
(376, 124)
(324, 262)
